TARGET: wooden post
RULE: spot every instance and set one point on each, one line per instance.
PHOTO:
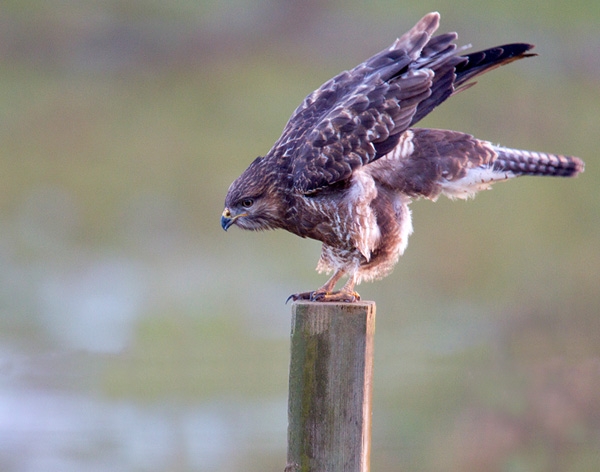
(331, 371)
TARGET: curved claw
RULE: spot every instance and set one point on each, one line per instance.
(299, 296)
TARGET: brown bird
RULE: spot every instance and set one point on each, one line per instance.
(348, 163)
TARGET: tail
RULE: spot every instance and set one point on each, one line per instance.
(432, 161)
(536, 163)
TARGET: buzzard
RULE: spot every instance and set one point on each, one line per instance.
(348, 162)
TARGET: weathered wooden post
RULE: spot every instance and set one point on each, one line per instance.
(331, 371)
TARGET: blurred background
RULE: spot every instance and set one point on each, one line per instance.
(135, 335)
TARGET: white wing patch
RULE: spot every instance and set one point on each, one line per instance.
(403, 149)
(478, 178)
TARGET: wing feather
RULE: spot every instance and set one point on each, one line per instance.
(348, 121)
(359, 115)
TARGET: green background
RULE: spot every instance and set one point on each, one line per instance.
(135, 335)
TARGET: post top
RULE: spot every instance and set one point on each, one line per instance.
(332, 310)
(362, 303)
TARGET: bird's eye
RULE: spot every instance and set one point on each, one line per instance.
(247, 202)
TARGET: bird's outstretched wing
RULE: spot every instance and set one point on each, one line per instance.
(344, 124)
(359, 115)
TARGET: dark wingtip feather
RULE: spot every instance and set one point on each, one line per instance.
(480, 62)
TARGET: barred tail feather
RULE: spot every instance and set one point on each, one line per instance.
(536, 163)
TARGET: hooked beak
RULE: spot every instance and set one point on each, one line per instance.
(227, 219)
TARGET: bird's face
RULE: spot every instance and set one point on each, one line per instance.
(252, 202)
(252, 213)
(242, 212)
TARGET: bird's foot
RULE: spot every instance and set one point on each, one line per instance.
(339, 296)
(299, 296)
(324, 296)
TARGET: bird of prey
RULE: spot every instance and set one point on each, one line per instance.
(349, 162)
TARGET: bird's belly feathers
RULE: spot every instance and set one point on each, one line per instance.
(364, 229)
(343, 218)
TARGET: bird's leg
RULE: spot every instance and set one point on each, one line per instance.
(348, 289)
(326, 289)
(346, 294)
(326, 293)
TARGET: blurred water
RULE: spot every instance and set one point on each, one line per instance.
(50, 430)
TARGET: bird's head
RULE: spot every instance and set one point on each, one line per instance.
(252, 200)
